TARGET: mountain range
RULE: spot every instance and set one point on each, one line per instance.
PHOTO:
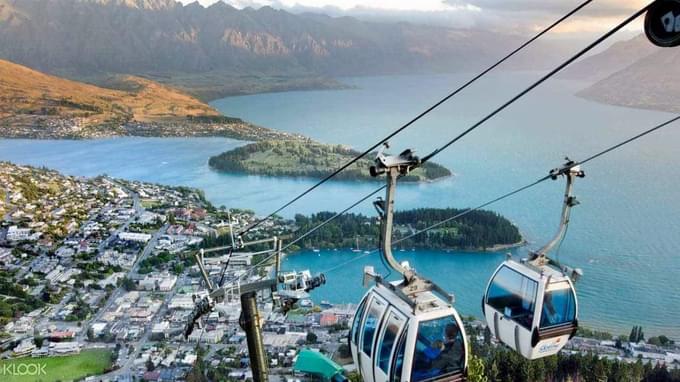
(632, 73)
(219, 50)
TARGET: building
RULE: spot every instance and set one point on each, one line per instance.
(207, 337)
(183, 302)
(61, 335)
(134, 236)
(163, 282)
(26, 347)
(160, 330)
(64, 348)
(15, 233)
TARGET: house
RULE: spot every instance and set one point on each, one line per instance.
(64, 348)
(15, 233)
(25, 347)
(134, 236)
(164, 282)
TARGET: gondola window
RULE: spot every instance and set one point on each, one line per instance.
(370, 325)
(439, 349)
(388, 342)
(558, 307)
(514, 295)
(357, 319)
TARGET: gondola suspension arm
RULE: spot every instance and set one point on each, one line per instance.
(570, 170)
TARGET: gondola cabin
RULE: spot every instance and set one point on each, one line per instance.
(392, 340)
(532, 309)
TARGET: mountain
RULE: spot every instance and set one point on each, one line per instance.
(632, 73)
(649, 83)
(613, 59)
(185, 44)
(37, 105)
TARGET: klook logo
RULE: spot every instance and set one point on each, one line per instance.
(19, 369)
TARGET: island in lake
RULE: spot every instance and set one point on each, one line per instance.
(479, 230)
(306, 158)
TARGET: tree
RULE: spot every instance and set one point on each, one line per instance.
(312, 338)
(476, 369)
(487, 335)
(665, 341)
(90, 334)
(38, 341)
(128, 284)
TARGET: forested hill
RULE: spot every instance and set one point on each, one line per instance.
(478, 230)
(309, 159)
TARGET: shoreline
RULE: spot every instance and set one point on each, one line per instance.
(494, 249)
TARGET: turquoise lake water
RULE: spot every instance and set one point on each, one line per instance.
(624, 234)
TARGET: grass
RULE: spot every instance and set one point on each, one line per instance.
(149, 203)
(68, 368)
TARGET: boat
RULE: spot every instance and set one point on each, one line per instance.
(356, 249)
(306, 303)
(325, 304)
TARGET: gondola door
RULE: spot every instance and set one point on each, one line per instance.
(512, 300)
(386, 347)
(370, 327)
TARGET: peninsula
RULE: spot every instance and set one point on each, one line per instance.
(39, 106)
(307, 158)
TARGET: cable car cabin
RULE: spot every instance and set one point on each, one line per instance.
(531, 309)
(393, 341)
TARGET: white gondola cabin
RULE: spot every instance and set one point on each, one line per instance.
(392, 340)
(533, 310)
(531, 305)
(406, 330)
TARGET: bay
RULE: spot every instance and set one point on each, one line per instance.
(624, 233)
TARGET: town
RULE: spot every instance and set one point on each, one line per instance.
(103, 268)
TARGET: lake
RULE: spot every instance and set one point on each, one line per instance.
(623, 235)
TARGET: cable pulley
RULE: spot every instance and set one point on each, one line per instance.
(662, 23)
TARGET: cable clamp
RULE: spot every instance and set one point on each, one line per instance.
(570, 168)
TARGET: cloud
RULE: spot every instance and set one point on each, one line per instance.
(507, 16)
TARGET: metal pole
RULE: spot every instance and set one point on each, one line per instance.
(279, 246)
(569, 201)
(201, 267)
(388, 222)
(250, 323)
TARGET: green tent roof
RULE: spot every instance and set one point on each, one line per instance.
(312, 362)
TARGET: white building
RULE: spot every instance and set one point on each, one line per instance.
(64, 348)
(163, 282)
(25, 348)
(184, 302)
(134, 236)
(160, 330)
(207, 337)
(15, 233)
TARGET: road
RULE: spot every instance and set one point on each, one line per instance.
(137, 206)
(148, 249)
(128, 359)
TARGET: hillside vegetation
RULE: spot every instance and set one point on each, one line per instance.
(37, 105)
(478, 230)
(309, 159)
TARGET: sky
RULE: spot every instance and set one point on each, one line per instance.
(516, 16)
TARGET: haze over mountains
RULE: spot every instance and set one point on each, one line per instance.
(84, 39)
(220, 50)
(632, 73)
